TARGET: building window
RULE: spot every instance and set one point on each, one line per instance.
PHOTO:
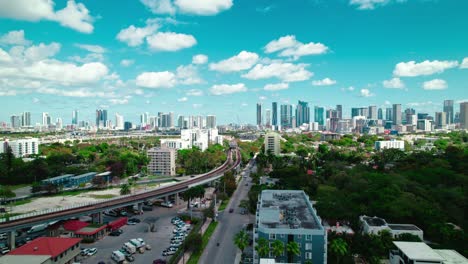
(299, 237)
(272, 236)
(308, 246)
(309, 237)
(308, 255)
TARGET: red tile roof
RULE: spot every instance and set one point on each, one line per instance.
(50, 246)
(74, 225)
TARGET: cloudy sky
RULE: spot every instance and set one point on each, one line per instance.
(223, 56)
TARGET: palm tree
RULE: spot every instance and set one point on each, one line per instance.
(241, 240)
(293, 249)
(262, 247)
(339, 248)
(125, 189)
(278, 248)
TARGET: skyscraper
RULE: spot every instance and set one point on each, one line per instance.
(26, 119)
(440, 119)
(45, 119)
(119, 122)
(372, 113)
(144, 119)
(286, 115)
(210, 121)
(274, 119)
(302, 113)
(101, 118)
(339, 110)
(388, 114)
(318, 115)
(75, 117)
(268, 118)
(15, 121)
(448, 109)
(180, 122)
(396, 114)
(380, 114)
(464, 115)
(259, 114)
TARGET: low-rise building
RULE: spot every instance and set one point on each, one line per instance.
(288, 216)
(419, 252)
(272, 144)
(45, 250)
(21, 147)
(375, 225)
(81, 179)
(162, 161)
(390, 144)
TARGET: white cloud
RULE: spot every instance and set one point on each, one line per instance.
(134, 36)
(126, 62)
(205, 7)
(74, 15)
(82, 92)
(196, 106)
(15, 37)
(42, 51)
(287, 72)
(351, 88)
(91, 48)
(170, 41)
(242, 61)
(194, 92)
(160, 6)
(395, 83)
(413, 69)
(4, 56)
(387, 102)
(199, 59)
(66, 73)
(188, 75)
(290, 47)
(221, 89)
(183, 99)
(163, 79)
(367, 4)
(324, 82)
(276, 86)
(436, 84)
(464, 64)
(91, 57)
(262, 98)
(365, 93)
(118, 101)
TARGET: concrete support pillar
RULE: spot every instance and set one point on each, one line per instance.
(11, 237)
(140, 207)
(166, 198)
(98, 218)
(177, 202)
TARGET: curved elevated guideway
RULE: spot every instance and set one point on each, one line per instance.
(31, 219)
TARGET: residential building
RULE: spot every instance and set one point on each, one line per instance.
(274, 120)
(268, 118)
(339, 110)
(318, 115)
(372, 112)
(286, 116)
(22, 147)
(302, 113)
(425, 125)
(396, 114)
(26, 119)
(272, 143)
(45, 250)
(210, 121)
(15, 121)
(162, 161)
(288, 216)
(388, 114)
(420, 252)
(375, 225)
(448, 110)
(464, 115)
(194, 137)
(259, 114)
(389, 144)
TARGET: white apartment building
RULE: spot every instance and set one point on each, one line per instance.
(162, 161)
(375, 225)
(21, 147)
(389, 144)
(194, 137)
(272, 143)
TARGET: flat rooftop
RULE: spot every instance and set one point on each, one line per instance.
(404, 227)
(451, 256)
(59, 177)
(374, 221)
(418, 251)
(287, 209)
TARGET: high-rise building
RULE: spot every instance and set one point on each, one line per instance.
(180, 122)
(360, 111)
(259, 114)
(119, 122)
(272, 144)
(318, 115)
(274, 120)
(26, 119)
(288, 215)
(268, 118)
(389, 114)
(464, 115)
(210, 121)
(396, 114)
(127, 125)
(302, 113)
(75, 117)
(162, 161)
(15, 121)
(286, 115)
(448, 110)
(422, 116)
(372, 112)
(440, 119)
(144, 119)
(339, 110)
(101, 118)
(45, 119)
(59, 123)
(408, 115)
(171, 119)
(380, 114)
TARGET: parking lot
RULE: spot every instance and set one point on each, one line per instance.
(158, 240)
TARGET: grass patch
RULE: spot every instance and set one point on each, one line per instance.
(102, 196)
(223, 204)
(21, 202)
(205, 238)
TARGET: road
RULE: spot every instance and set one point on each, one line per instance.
(229, 225)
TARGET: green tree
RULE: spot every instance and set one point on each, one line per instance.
(125, 189)
(241, 240)
(193, 192)
(194, 242)
(339, 248)
(277, 248)
(293, 250)
(6, 192)
(262, 247)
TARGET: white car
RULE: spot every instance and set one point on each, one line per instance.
(92, 251)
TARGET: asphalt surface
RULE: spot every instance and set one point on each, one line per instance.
(229, 225)
(158, 240)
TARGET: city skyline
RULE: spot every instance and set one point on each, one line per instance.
(185, 58)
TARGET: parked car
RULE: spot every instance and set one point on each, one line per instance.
(114, 233)
(131, 223)
(148, 247)
(159, 261)
(85, 251)
(231, 210)
(130, 258)
(92, 251)
(147, 208)
(4, 250)
(136, 220)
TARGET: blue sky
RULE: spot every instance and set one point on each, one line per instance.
(223, 56)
